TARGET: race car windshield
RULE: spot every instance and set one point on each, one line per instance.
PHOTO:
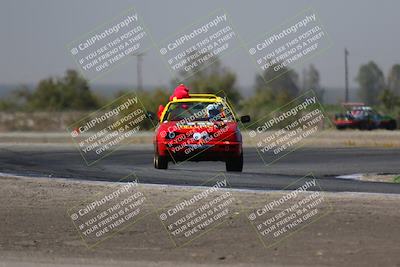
(198, 111)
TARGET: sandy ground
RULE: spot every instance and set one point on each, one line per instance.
(358, 230)
(325, 138)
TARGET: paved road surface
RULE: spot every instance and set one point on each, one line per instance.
(325, 164)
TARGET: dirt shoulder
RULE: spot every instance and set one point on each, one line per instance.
(360, 229)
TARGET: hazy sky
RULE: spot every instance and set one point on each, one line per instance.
(34, 34)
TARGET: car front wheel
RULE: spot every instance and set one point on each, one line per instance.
(160, 162)
(235, 164)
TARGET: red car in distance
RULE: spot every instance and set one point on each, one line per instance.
(359, 116)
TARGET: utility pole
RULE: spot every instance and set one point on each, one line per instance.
(304, 80)
(139, 70)
(346, 72)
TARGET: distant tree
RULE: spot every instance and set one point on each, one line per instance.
(273, 94)
(76, 93)
(389, 100)
(284, 81)
(394, 79)
(211, 78)
(150, 100)
(47, 96)
(15, 100)
(70, 92)
(371, 81)
(5, 105)
(311, 80)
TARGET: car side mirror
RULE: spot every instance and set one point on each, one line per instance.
(245, 119)
(151, 115)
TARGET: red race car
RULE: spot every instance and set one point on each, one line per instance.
(198, 127)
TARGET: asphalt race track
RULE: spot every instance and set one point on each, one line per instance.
(65, 162)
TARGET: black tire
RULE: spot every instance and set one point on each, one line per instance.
(160, 162)
(392, 125)
(235, 164)
(364, 126)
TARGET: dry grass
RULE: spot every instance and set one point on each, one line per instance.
(326, 138)
(348, 138)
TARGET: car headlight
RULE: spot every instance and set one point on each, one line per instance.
(170, 135)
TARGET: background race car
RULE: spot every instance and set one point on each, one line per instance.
(359, 116)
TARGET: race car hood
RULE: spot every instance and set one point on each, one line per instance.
(215, 131)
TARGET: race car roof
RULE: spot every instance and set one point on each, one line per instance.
(199, 98)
